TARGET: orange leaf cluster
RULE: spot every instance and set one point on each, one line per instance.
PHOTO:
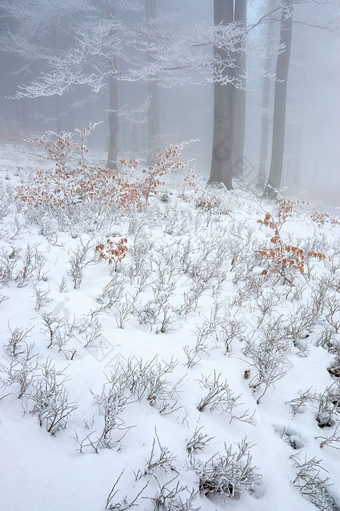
(286, 208)
(111, 251)
(321, 218)
(281, 255)
(284, 256)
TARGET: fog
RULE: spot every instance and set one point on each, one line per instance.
(312, 134)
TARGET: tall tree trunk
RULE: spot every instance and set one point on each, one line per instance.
(265, 115)
(240, 97)
(221, 162)
(57, 98)
(113, 122)
(280, 99)
(153, 94)
(265, 123)
(297, 156)
(113, 104)
(57, 112)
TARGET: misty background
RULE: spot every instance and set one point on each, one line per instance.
(311, 156)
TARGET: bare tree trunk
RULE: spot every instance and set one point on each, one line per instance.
(296, 158)
(240, 97)
(221, 162)
(57, 98)
(265, 116)
(113, 105)
(265, 123)
(280, 99)
(113, 123)
(58, 112)
(153, 94)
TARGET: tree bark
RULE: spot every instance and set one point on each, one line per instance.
(113, 123)
(280, 100)
(221, 162)
(113, 105)
(265, 114)
(240, 97)
(153, 94)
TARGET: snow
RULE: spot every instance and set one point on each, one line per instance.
(44, 472)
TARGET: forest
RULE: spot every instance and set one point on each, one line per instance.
(169, 255)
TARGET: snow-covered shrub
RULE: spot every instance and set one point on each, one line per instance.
(283, 257)
(8, 261)
(147, 380)
(168, 497)
(228, 475)
(20, 370)
(112, 292)
(158, 312)
(72, 179)
(198, 441)
(50, 398)
(32, 266)
(111, 403)
(150, 178)
(268, 356)
(332, 440)
(320, 219)
(328, 405)
(41, 297)
(160, 459)
(208, 201)
(52, 323)
(220, 396)
(201, 335)
(311, 485)
(16, 343)
(112, 251)
(78, 262)
(123, 309)
(124, 504)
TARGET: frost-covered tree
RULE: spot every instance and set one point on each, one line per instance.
(223, 101)
(229, 102)
(153, 92)
(113, 45)
(280, 99)
(36, 32)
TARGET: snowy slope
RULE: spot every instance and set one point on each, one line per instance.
(193, 331)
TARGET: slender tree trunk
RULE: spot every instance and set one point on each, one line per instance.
(221, 162)
(265, 123)
(113, 105)
(113, 123)
(297, 156)
(240, 97)
(57, 98)
(153, 94)
(280, 99)
(265, 115)
(57, 112)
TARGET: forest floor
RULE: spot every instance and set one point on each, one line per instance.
(200, 370)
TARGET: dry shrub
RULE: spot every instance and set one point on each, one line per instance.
(208, 202)
(323, 218)
(72, 179)
(112, 252)
(280, 254)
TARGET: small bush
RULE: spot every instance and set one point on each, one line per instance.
(72, 179)
(112, 252)
(282, 256)
(228, 475)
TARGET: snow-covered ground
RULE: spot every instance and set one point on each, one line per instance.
(193, 375)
